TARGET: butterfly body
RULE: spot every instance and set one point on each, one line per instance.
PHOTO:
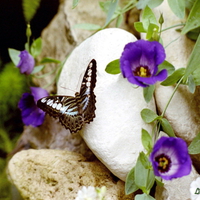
(74, 112)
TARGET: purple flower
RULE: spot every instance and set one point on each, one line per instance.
(170, 158)
(31, 114)
(26, 62)
(139, 62)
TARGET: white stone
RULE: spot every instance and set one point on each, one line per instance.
(114, 136)
(176, 189)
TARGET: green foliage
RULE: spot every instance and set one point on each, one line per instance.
(148, 25)
(174, 78)
(36, 47)
(5, 187)
(113, 67)
(151, 3)
(147, 141)
(167, 127)
(141, 176)
(193, 18)
(144, 176)
(148, 93)
(168, 66)
(149, 116)
(111, 10)
(130, 185)
(144, 197)
(191, 84)
(88, 26)
(14, 55)
(29, 8)
(177, 7)
(194, 60)
(12, 85)
(75, 3)
(194, 147)
(49, 60)
(148, 18)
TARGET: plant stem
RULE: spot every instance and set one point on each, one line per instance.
(177, 85)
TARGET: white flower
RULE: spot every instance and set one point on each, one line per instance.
(195, 189)
(87, 193)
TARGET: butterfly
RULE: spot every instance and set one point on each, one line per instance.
(74, 112)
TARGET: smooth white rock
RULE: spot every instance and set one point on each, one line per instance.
(114, 136)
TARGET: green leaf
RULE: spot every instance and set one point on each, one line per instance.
(174, 78)
(144, 197)
(193, 34)
(14, 55)
(144, 178)
(151, 3)
(168, 66)
(130, 185)
(148, 17)
(196, 76)
(7, 145)
(139, 27)
(37, 69)
(193, 18)
(177, 7)
(12, 86)
(113, 67)
(194, 60)
(148, 93)
(159, 181)
(194, 147)
(189, 4)
(152, 29)
(49, 60)
(111, 11)
(145, 161)
(119, 20)
(191, 84)
(167, 127)
(36, 47)
(146, 140)
(75, 3)
(87, 26)
(29, 8)
(148, 115)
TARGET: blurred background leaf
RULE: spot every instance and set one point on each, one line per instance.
(29, 8)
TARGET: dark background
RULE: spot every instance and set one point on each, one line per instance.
(13, 25)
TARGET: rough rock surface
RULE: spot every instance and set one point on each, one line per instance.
(115, 134)
(56, 174)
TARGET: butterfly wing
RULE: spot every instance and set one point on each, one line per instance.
(65, 108)
(87, 98)
(73, 112)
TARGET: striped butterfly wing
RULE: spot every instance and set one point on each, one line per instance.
(73, 112)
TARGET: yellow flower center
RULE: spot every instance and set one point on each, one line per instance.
(164, 163)
(142, 71)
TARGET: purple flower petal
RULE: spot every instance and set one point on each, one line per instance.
(170, 158)
(31, 114)
(161, 76)
(26, 63)
(139, 62)
(38, 93)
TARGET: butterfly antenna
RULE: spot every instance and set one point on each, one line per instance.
(67, 88)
